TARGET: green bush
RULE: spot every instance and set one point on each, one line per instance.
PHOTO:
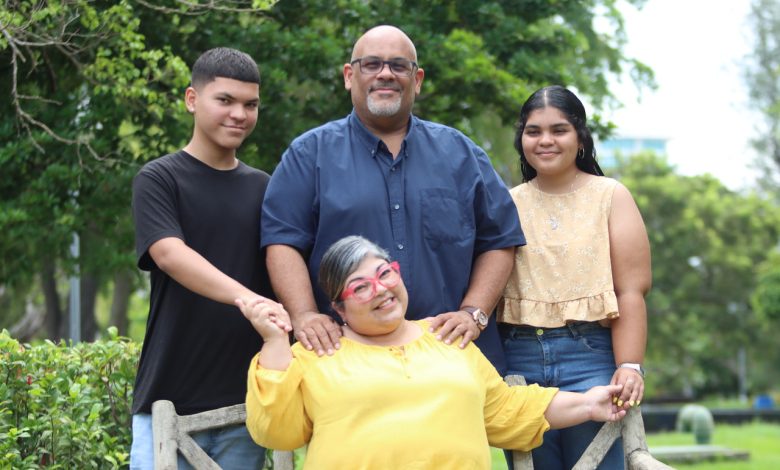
(698, 420)
(66, 407)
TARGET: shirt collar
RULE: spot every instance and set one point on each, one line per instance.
(370, 140)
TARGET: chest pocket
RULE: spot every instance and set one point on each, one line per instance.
(445, 218)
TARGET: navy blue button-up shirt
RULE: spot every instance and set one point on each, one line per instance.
(434, 208)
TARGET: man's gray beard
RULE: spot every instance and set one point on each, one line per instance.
(383, 109)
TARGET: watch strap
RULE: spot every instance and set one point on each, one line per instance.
(635, 366)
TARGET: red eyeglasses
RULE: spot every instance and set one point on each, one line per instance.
(363, 290)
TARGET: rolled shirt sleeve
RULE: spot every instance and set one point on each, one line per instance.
(275, 414)
(514, 416)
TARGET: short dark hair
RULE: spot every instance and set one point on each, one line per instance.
(566, 102)
(227, 63)
(342, 259)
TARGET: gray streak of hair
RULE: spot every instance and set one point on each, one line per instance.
(342, 259)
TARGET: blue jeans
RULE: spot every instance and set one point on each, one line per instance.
(573, 358)
(231, 447)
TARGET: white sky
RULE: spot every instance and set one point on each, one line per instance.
(696, 49)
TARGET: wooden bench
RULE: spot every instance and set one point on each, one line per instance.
(172, 434)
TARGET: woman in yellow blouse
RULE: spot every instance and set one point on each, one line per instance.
(573, 312)
(393, 396)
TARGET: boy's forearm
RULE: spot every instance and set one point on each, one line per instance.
(190, 269)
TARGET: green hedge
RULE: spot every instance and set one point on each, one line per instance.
(66, 407)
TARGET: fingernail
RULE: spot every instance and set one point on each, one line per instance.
(447, 342)
(620, 403)
(631, 403)
(639, 403)
(614, 400)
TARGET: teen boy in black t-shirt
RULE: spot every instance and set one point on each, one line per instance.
(197, 218)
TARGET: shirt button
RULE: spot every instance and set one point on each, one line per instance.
(397, 206)
(400, 246)
(392, 168)
(539, 332)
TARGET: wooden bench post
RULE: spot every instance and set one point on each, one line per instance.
(165, 433)
(521, 460)
(171, 433)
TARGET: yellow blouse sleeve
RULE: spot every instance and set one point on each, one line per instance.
(514, 416)
(275, 414)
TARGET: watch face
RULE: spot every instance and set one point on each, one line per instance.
(481, 318)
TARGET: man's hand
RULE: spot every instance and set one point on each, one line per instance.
(451, 325)
(317, 332)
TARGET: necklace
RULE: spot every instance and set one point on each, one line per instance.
(551, 218)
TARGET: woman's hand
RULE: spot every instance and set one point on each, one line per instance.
(269, 318)
(570, 408)
(602, 408)
(633, 387)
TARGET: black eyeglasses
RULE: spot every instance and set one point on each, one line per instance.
(371, 65)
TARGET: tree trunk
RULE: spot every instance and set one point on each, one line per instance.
(51, 297)
(89, 290)
(123, 285)
(24, 329)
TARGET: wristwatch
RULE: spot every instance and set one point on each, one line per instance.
(479, 316)
(635, 366)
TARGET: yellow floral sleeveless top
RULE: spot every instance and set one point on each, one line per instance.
(564, 273)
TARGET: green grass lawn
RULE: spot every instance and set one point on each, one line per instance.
(497, 456)
(762, 440)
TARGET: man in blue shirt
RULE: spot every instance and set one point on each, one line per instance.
(423, 191)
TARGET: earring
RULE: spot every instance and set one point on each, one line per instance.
(581, 153)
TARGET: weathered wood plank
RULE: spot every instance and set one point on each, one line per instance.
(165, 433)
(521, 460)
(194, 454)
(642, 460)
(213, 419)
(599, 447)
(283, 460)
(171, 433)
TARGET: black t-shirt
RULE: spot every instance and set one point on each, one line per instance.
(196, 351)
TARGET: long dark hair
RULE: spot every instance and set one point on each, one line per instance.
(566, 102)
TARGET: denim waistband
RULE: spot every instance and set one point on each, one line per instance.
(579, 328)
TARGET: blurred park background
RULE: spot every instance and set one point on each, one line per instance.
(92, 89)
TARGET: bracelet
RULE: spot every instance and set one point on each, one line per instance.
(635, 366)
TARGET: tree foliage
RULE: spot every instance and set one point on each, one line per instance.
(95, 90)
(763, 78)
(706, 241)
